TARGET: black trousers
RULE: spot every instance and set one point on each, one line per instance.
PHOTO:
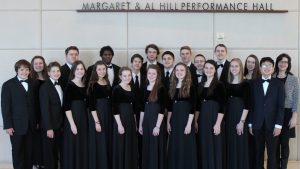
(52, 149)
(264, 137)
(22, 150)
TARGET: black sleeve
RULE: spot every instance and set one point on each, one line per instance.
(192, 99)
(92, 99)
(161, 100)
(68, 97)
(280, 104)
(220, 94)
(6, 106)
(116, 100)
(246, 95)
(199, 96)
(45, 107)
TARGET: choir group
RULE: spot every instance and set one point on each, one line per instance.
(196, 114)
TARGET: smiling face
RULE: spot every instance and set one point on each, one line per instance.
(221, 53)
(107, 57)
(283, 64)
(209, 70)
(235, 68)
(101, 71)
(250, 64)
(54, 73)
(151, 54)
(72, 56)
(23, 72)
(136, 63)
(126, 76)
(199, 63)
(79, 71)
(180, 72)
(267, 68)
(167, 61)
(186, 56)
(152, 75)
(38, 65)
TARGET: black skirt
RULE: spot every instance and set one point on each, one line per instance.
(182, 147)
(125, 147)
(237, 146)
(75, 148)
(154, 150)
(37, 147)
(210, 145)
(286, 131)
(100, 148)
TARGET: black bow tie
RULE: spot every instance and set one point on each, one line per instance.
(268, 80)
(198, 75)
(56, 83)
(220, 65)
(110, 67)
(26, 81)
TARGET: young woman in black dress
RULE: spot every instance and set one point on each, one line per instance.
(100, 119)
(39, 73)
(125, 151)
(238, 97)
(181, 109)
(283, 72)
(211, 99)
(75, 148)
(151, 121)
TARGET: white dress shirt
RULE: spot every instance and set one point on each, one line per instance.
(220, 69)
(58, 89)
(111, 75)
(24, 84)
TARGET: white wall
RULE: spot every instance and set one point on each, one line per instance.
(35, 27)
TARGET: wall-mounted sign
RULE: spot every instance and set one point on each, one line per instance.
(190, 7)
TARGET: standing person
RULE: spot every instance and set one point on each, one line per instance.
(51, 100)
(125, 148)
(107, 54)
(168, 59)
(283, 72)
(238, 98)
(39, 73)
(75, 148)
(223, 63)
(151, 120)
(137, 84)
(251, 70)
(199, 62)
(100, 120)
(152, 52)
(186, 58)
(181, 109)
(209, 117)
(18, 113)
(267, 113)
(72, 55)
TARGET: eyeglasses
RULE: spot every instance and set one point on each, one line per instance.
(266, 65)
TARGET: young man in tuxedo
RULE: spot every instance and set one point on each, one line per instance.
(19, 114)
(138, 83)
(266, 113)
(107, 54)
(168, 59)
(186, 58)
(199, 62)
(72, 55)
(223, 63)
(152, 52)
(51, 99)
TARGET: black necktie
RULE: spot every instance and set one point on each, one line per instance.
(56, 83)
(268, 80)
(110, 67)
(220, 65)
(136, 83)
(26, 81)
(198, 75)
(167, 76)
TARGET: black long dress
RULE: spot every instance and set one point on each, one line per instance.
(125, 146)
(75, 148)
(100, 147)
(182, 148)
(211, 146)
(238, 97)
(37, 134)
(154, 150)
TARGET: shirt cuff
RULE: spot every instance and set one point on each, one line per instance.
(250, 125)
(278, 126)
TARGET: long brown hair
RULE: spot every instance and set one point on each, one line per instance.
(94, 76)
(33, 73)
(184, 90)
(73, 69)
(256, 71)
(230, 75)
(158, 84)
(214, 81)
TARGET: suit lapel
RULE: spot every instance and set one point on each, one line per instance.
(19, 85)
(53, 89)
(269, 89)
(260, 88)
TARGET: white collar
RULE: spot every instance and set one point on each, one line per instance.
(223, 62)
(189, 64)
(266, 78)
(149, 63)
(52, 80)
(69, 65)
(169, 70)
(20, 78)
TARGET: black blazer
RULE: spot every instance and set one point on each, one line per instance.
(19, 106)
(144, 68)
(193, 71)
(116, 74)
(166, 81)
(138, 94)
(224, 74)
(65, 73)
(51, 107)
(267, 108)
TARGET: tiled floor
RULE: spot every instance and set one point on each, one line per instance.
(292, 165)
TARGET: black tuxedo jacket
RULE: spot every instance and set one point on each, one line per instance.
(224, 74)
(166, 81)
(65, 73)
(269, 108)
(52, 113)
(138, 93)
(116, 74)
(19, 106)
(193, 71)
(144, 68)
